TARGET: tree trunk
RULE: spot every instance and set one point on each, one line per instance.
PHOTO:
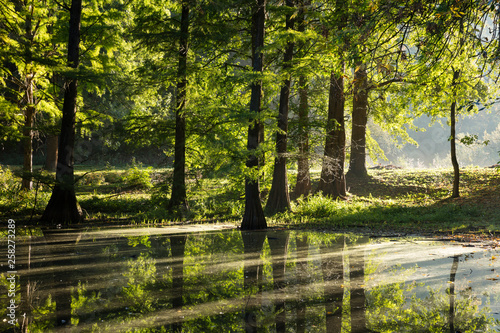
(279, 199)
(63, 207)
(179, 197)
(357, 166)
(303, 185)
(29, 114)
(51, 158)
(454, 160)
(332, 181)
(59, 244)
(29, 111)
(254, 218)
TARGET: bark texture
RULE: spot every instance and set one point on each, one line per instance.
(279, 198)
(332, 181)
(253, 217)
(357, 161)
(28, 102)
(179, 197)
(453, 137)
(63, 207)
(303, 185)
(51, 158)
(29, 115)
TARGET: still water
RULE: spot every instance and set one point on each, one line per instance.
(189, 280)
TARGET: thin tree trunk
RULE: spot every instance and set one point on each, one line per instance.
(63, 207)
(179, 197)
(29, 113)
(262, 157)
(454, 160)
(357, 161)
(303, 185)
(254, 218)
(51, 158)
(279, 199)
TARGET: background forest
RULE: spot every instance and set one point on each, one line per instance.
(201, 109)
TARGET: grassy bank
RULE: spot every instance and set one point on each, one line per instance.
(388, 200)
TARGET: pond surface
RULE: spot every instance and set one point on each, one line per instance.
(186, 280)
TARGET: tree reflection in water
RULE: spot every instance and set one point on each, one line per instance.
(278, 242)
(332, 266)
(268, 281)
(177, 245)
(252, 277)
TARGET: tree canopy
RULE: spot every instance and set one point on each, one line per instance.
(243, 90)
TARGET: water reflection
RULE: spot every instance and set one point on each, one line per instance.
(276, 281)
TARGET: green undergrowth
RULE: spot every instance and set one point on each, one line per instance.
(396, 200)
(383, 214)
(407, 201)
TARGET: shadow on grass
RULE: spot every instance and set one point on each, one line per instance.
(385, 184)
(438, 217)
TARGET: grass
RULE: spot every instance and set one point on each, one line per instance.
(409, 201)
(397, 201)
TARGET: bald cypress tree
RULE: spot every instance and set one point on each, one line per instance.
(279, 198)
(253, 217)
(63, 207)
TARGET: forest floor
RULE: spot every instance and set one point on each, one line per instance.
(409, 201)
(393, 202)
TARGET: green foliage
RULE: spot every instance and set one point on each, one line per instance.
(137, 177)
(7, 181)
(141, 274)
(14, 200)
(93, 179)
(83, 302)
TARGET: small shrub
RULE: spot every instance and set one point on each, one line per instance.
(93, 179)
(316, 206)
(112, 177)
(7, 180)
(137, 177)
